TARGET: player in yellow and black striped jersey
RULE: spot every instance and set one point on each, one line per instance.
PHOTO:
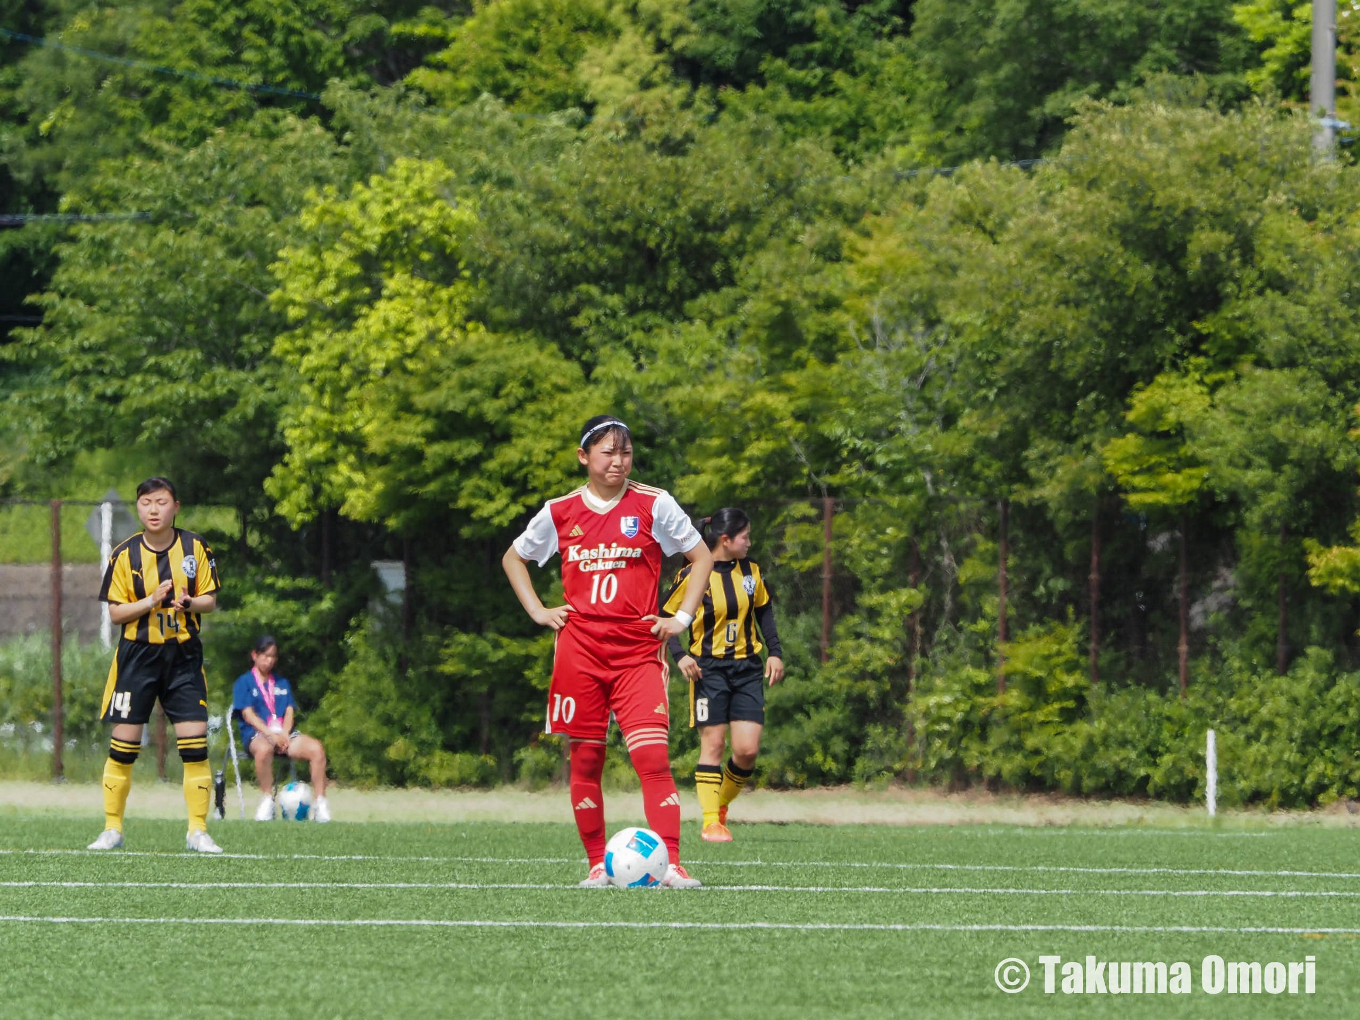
(158, 585)
(722, 663)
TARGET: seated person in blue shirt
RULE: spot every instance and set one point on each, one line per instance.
(263, 703)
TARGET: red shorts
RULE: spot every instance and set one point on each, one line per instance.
(602, 667)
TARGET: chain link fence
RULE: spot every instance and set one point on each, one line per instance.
(55, 634)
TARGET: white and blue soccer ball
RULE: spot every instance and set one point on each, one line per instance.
(295, 802)
(635, 859)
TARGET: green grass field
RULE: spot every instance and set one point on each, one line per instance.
(484, 920)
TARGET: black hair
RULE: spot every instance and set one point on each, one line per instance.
(156, 484)
(729, 522)
(263, 643)
(592, 433)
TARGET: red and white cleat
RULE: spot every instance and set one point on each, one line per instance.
(597, 879)
(678, 878)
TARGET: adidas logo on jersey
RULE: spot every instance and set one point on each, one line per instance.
(660, 710)
(575, 532)
(587, 804)
(672, 801)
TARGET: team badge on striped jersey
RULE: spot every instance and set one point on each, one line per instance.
(749, 583)
(629, 526)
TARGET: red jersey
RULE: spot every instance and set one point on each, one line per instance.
(611, 552)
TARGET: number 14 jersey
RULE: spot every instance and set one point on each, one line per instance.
(611, 552)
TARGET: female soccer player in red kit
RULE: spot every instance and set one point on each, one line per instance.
(612, 533)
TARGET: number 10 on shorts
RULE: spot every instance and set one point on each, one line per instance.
(563, 709)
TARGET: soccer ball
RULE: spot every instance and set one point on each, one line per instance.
(635, 859)
(295, 802)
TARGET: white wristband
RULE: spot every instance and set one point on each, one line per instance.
(684, 617)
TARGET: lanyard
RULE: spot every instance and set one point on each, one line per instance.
(266, 692)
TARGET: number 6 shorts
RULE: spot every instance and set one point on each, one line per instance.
(142, 673)
(604, 666)
(728, 690)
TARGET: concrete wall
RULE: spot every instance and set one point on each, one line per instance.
(26, 599)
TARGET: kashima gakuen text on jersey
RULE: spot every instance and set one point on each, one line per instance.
(611, 550)
(602, 557)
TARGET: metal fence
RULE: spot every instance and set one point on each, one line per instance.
(52, 555)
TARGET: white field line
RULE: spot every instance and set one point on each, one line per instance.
(297, 857)
(711, 863)
(558, 887)
(1074, 830)
(688, 925)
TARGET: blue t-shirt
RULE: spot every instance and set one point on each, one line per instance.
(247, 694)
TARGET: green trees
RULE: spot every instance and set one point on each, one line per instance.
(156, 333)
(1116, 383)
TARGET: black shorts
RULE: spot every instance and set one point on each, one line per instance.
(727, 690)
(143, 673)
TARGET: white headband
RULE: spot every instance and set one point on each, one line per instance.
(611, 423)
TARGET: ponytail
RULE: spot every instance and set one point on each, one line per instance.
(729, 522)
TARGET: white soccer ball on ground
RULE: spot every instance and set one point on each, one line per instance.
(635, 859)
(295, 802)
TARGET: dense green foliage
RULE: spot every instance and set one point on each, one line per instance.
(368, 308)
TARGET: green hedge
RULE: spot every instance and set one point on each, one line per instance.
(1287, 741)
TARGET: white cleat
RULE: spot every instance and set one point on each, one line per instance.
(202, 842)
(265, 812)
(109, 839)
(597, 879)
(322, 812)
(678, 878)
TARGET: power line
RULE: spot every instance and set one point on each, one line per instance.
(949, 171)
(24, 219)
(142, 65)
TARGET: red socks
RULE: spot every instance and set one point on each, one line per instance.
(651, 758)
(587, 765)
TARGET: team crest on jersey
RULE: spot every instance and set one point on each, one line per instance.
(190, 566)
(749, 583)
(629, 526)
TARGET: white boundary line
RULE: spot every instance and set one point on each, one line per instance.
(687, 925)
(712, 863)
(1075, 830)
(559, 887)
(293, 857)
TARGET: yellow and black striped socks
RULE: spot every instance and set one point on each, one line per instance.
(707, 781)
(197, 780)
(734, 779)
(118, 780)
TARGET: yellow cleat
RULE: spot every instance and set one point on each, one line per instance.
(716, 832)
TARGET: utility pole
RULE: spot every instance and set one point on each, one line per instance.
(1322, 90)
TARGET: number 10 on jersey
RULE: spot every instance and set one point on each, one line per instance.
(603, 589)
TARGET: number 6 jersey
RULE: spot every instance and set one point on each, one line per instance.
(611, 552)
